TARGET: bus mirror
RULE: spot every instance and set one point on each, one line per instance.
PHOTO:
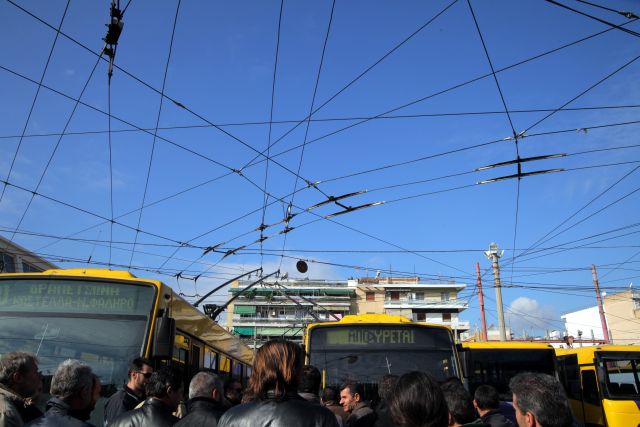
(164, 338)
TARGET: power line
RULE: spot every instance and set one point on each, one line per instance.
(35, 97)
(273, 94)
(155, 132)
(308, 123)
(328, 119)
(55, 149)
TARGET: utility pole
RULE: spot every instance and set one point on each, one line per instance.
(493, 254)
(603, 320)
(481, 299)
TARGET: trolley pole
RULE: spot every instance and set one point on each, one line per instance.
(481, 299)
(493, 254)
(603, 320)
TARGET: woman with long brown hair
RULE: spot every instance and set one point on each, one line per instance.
(271, 398)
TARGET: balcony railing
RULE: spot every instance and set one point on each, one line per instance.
(434, 305)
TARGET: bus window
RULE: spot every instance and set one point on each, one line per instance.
(210, 359)
(590, 388)
(237, 370)
(622, 378)
(181, 349)
(195, 358)
(224, 368)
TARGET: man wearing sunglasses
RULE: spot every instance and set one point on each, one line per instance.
(132, 394)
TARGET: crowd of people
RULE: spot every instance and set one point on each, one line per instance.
(282, 391)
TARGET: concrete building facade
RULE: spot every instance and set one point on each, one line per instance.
(622, 311)
(410, 297)
(283, 308)
(16, 259)
(583, 324)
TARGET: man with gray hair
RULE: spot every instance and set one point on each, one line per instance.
(74, 391)
(205, 406)
(540, 401)
(20, 384)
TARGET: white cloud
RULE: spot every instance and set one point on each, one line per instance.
(528, 314)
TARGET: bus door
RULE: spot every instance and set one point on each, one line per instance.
(591, 397)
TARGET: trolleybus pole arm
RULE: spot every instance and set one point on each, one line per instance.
(219, 309)
(195, 304)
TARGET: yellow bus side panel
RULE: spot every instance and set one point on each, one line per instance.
(621, 413)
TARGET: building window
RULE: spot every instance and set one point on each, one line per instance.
(28, 268)
(636, 300)
(417, 296)
(371, 296)
(444, 296)
(7, 264)
(446, 317)
(421, 317)
(395, 295)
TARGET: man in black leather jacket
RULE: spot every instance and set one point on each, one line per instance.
(205, 405)
(132, 393)
(164, 391)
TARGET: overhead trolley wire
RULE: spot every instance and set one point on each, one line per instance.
(329, 119)
(273, 95)
(449, 89)
(521, 62)
(308, 122)
(362, 74)
(177, 103)
(155, 132)
(595, 18)
(35, 98)
(55, 149)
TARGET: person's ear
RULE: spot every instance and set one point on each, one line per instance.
(215, 394)
(356, 397)
(475, 404)
(530, 419)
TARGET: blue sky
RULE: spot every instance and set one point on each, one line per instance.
(221, 69)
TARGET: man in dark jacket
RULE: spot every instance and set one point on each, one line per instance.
(75, 391)
(309, 385)
(132, 394)
(460, 405)
(205, 401)
(164, 391)
(329, 397)
(360, 414)
(20, 383)
(487, 402)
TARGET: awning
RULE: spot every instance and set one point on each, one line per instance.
(247, 331)
(244, 309)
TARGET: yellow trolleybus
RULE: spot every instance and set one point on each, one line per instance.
(602, 383)
(363, 348)
(107, 318)
(495, 363)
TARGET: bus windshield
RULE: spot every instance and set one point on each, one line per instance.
(497, 366)
(622, 376)
(100, 323)
(365, 353)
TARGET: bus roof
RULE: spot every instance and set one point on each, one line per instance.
(95, 273)
(370, 319)
(587, 354)
(506, 345)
